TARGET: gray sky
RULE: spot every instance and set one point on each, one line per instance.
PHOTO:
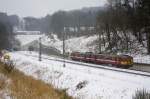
(39, 8)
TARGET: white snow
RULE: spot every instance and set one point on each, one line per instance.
(97, 83)
(82, 44)
(26, 39)
(141, 58)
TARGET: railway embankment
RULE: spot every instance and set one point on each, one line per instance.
(15, 85)
(80, 81)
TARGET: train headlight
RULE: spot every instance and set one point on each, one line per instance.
(124, 63)
(129, 62)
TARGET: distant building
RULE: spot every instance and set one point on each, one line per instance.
(27, 33)
(79, 29)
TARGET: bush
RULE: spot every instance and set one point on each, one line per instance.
(142, 95)
(31, 48)
(9, 66)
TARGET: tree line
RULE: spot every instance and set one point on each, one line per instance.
(120, 21)
(7, 40)
(56, 22)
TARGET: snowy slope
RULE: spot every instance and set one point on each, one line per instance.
(26, 39)
(86, 44)
(82, 44)
(82, 82)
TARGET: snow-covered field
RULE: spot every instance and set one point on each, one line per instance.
(82, 44)
(26, 39)
(82, 82)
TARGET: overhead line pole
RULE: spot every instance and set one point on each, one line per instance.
(64, 35)
(40, 50)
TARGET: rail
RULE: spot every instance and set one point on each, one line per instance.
(135, 72)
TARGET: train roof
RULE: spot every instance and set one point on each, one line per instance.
(112, 55)
(105, 55)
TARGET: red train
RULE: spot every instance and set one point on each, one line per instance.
(120, 61)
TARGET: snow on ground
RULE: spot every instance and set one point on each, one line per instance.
(142, 58)
(82, 82)
(26, 39)
(82, 44)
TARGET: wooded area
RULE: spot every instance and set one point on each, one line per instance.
(7, 39)
(120, 24)
(122, 20)
(5, 32)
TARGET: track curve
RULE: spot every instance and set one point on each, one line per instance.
(105, 67)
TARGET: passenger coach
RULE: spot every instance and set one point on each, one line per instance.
(121, 61)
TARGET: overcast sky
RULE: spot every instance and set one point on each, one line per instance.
(40, 8)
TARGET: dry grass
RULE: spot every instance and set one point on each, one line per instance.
(3, 84)
(25, 87)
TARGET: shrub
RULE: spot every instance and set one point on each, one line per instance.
(31, 48)
(143, 94)
(9, 66)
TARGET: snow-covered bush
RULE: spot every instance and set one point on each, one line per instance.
(143, 94)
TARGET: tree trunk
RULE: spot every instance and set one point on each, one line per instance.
(108, 37)
(139, 37)
(100, 43)
(126, 40)
(108, 33)
(148, 41)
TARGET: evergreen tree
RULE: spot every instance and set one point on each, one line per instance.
(143, 17)
(6, 36)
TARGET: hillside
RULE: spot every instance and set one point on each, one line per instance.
(54, 46)
(16, 85)
(82, 43)
(80, 81)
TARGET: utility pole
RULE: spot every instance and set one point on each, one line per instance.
(100, 41)
(64, 35)
(133, 2)
(40, 50)
(100, 51)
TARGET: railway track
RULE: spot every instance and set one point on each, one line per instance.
(141, 67)
(142, 64)
(129, 71)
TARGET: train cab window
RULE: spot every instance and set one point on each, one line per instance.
(99, 56)
(89, 53)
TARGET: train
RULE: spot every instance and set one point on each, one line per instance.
(119, 61)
